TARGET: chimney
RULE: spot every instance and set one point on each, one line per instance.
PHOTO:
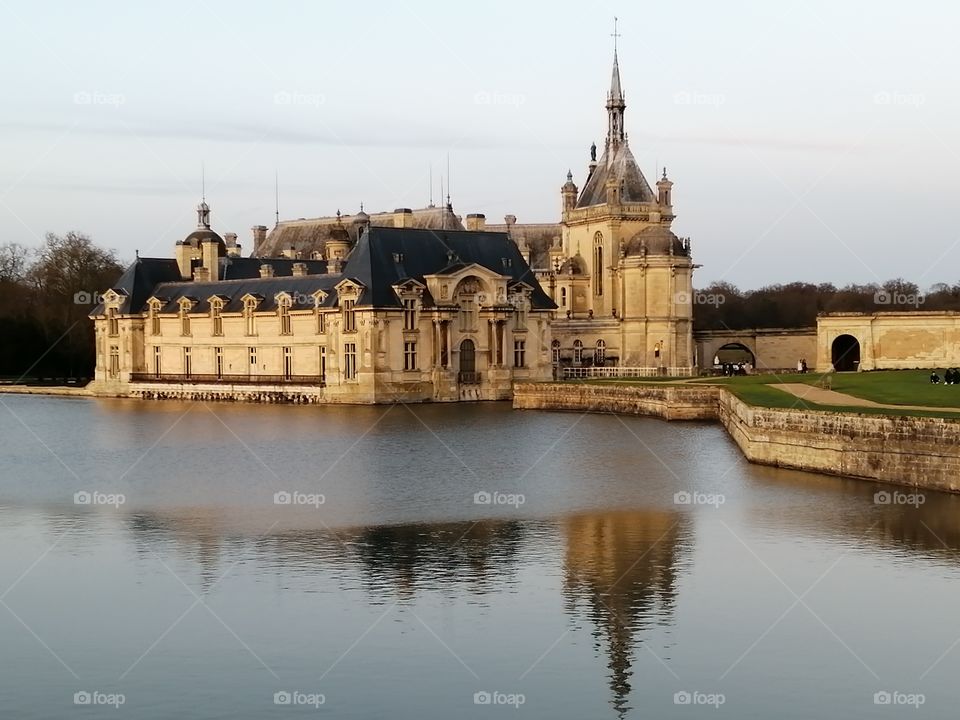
(184, 254)
(266, 270)
(210, 257)
(201, 274)
(299, 269)
(290, 252)
(476, 221)
(259, 236)
(402, 217)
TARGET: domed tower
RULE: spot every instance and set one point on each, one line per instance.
(203, 245)
(338, 246)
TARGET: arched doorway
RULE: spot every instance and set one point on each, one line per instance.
(734, 354)
(845, 353)
(468, 361)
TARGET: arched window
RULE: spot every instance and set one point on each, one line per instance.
(555, 351)
(600, 353)
(598, 264)
(577, 352)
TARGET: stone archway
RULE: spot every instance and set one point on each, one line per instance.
(735, 353)
(845, 353)
(468, 361)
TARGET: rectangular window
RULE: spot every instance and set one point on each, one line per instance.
(114, 366)
(287, 363)
(410, 314)
(113, 325)
(184, 323)
(350, 361)
(321, 322)
(519, 353)
(252, 354)
(154, 321)
(217, 320)
(409, 355)
(218, 352)
(187, 362)
(157, 365)
(500, 348)
(249, 319)
(285, 328)
(323, 364)
(349, 316)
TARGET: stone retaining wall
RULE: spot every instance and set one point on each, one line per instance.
(918, 451)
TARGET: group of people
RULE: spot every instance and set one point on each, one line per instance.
(730, 369)
(802, 365)
(950, 377)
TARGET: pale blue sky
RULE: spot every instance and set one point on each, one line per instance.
(807, 140)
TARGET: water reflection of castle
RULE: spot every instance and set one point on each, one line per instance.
(621, 569)
(621, 573)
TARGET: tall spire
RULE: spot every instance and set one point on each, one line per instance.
(615, 102)
(203, 210)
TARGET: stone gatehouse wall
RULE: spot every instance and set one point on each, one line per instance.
(917, 451)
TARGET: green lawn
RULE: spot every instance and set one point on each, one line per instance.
(894, 387)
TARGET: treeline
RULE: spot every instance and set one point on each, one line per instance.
(724, 306)
(45, 297)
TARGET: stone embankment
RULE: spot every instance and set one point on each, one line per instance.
(918, 451)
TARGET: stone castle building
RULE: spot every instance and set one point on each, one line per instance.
(376, 314)
(411, 305)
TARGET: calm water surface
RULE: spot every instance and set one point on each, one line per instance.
(582, 589)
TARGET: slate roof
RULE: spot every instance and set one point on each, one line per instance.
(301, 288)
(384, 257)
(137, 282)
(538, 238)
(308, 235)
(617, 162)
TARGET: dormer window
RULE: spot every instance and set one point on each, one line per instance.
(249, 319)
(283, 309)
(216, 310)
(154, 317)
(185, 317)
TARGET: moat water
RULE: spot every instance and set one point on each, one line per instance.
(166, 560)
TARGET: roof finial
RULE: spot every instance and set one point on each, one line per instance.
(203, 182)
(448, 182)
(276, 203)
(615, 35)
(361, 206)
(664, 172)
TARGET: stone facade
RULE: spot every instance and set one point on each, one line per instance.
(621, 278)
(773, 349)
(401, 315)
(888, 340)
